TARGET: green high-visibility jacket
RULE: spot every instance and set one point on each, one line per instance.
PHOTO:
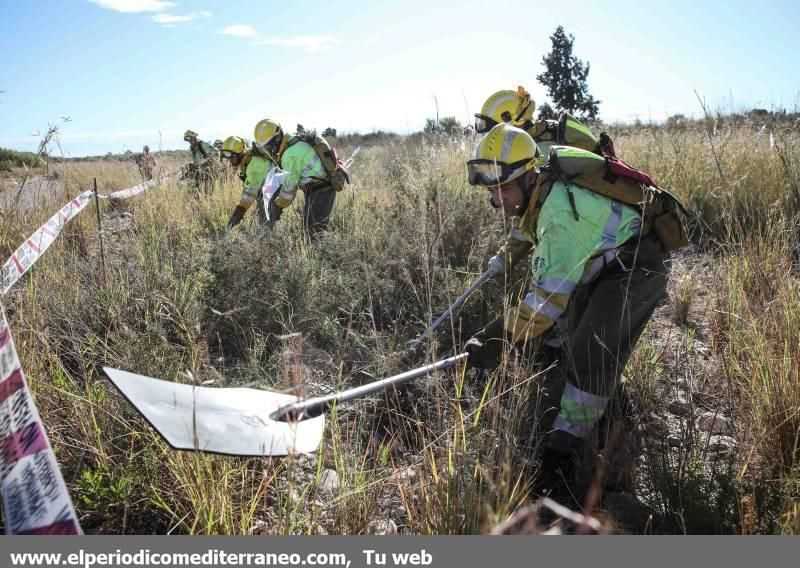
(299, 159)
(255, 174)
(568, 251)
(304, 167)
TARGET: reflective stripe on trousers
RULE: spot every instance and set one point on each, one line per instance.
(580, 411)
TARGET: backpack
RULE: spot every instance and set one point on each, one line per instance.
(566, 131)
(335, 169)
(607, 175)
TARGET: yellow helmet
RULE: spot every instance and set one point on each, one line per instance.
(515, 107)
(190, 135)
(265, 132)
(503, 154)
(233, 145)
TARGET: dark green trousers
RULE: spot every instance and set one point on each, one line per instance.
(605, 319)
(317, 210)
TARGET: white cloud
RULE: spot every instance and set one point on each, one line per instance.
(239, 30)
(204, 14)
(308, 43)
(134, 6)
(170, 20)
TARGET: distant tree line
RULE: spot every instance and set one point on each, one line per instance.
(14, 159)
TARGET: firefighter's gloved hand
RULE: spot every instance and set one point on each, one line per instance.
(485, 348)
(237, 216)
(282, 203)
(496, 265)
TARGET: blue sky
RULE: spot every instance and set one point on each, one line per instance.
(134, 72)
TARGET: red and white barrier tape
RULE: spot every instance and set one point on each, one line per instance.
(30, 251)
(131, 191)
(137, 189)
(35, 497)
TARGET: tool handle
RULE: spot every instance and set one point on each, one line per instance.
(460, 300)
(315, 406)
(228, 230)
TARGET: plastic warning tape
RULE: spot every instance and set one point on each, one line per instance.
(30, 251)
(131, 191)
(35, 497)
(137, 189)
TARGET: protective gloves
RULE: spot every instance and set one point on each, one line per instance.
(485, 348)
(281, 202)
(237, 216)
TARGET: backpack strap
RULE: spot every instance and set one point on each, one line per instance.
(544, 183)
(605, 146)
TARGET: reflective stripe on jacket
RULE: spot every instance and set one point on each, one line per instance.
(568, 251)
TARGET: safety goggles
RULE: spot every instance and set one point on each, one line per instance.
(484, 124)
(490, 172)
(229, 154)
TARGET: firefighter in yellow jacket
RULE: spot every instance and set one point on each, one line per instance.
(516, 108)
(591, 268)
(302, 170)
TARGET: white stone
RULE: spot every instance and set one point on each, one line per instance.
(329, 481)
(259, 527)
(715, 423)
(408, 475)
(382, 527)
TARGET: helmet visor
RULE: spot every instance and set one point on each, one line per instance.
(484, 124)
(491, 172)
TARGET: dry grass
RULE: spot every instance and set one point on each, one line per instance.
(453, 453)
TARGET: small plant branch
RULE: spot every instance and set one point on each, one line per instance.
(711, 139)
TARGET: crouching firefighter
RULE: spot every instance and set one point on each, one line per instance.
(251, 168)
(311, 166)
(599, 267)
(235, 151)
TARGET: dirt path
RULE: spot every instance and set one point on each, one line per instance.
(38, 190)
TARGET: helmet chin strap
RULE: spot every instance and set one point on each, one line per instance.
(526, 189)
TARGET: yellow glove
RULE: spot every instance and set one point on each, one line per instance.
(282, 203)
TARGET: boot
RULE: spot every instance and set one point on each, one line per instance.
(556, 474)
